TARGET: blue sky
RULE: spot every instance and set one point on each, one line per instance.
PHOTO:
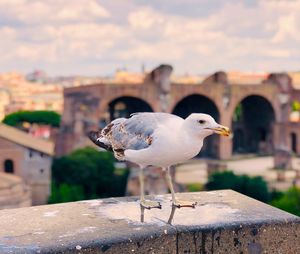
(91, 37)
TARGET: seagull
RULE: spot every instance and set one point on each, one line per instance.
(157, 139)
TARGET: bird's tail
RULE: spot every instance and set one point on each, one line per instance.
(97, 138)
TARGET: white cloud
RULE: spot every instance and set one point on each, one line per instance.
(145, 18)
(33, 12)
(87, 35)
(77, 10)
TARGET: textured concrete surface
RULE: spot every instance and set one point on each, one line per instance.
(222, 222)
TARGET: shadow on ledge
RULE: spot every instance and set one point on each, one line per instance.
(222, 222)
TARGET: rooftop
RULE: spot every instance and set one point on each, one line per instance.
(25, 139)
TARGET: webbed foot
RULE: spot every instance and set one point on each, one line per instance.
(184, 203)
(149, 204)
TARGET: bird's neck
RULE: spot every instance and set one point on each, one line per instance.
(191, 136)
(192, 145)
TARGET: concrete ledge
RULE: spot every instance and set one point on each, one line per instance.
(222, 222)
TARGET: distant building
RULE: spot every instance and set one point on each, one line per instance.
(4, 100)
(37, 76)
(16, 93)
(256, 106)
(14, 193)
(29, 158)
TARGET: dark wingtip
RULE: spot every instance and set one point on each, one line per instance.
(93, 135)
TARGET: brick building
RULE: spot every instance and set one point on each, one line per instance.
(258, 113)
(29, 158)
(14, 193)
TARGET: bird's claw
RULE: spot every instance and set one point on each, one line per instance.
(184, 203)
(148, 204)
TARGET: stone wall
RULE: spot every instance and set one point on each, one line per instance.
(33, 167)
(13, 192)
(85, 107)
(222, 222)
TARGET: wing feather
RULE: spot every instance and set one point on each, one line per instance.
(136, 132)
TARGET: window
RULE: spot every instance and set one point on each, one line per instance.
(9, 166)
(294, 142)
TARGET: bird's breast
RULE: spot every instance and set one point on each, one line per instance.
(176, 151)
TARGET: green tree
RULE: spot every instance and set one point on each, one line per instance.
(255, 187)
(89, 169)
(65, 192)
(39, 117)
(238, 113)
(295, 106)
(289, 201)
(194, 187)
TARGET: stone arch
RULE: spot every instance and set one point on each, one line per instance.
(252, 121)
(197, 103)
(9, 166)
(125, 105)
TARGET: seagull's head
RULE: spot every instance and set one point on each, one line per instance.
(205, 125)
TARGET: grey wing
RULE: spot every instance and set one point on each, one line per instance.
(136, 132)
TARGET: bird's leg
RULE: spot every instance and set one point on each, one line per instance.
(176, 202)
(170, 185)
(148, 204)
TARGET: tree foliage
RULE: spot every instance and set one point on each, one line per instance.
(61, 193)
(238, 113)
(88, 172)
(255, 187)
(295, 106)
(40, 117)
(289, 201)
(194, 187)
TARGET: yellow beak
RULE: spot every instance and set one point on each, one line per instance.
(222, 130)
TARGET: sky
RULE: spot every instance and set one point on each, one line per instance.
(91, 37)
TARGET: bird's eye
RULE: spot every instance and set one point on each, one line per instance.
(201, 121)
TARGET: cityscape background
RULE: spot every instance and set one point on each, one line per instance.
(69, 67)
